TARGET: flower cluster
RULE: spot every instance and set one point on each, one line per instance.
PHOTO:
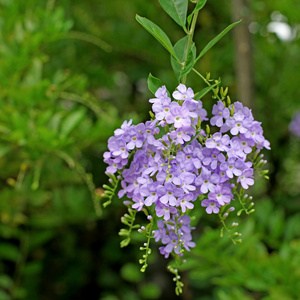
(169, 163)
(295, 125)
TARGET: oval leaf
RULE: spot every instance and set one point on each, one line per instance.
(153, 83)
(176, 9)
(216, 39)
(71, 121)
(157, 32)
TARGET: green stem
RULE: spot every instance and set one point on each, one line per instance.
(190, 40)
(226, 228)
(147, 247)
(206, 81)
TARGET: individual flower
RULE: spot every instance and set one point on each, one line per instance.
(183, 93)
(211, 206)
(246, 178)
(207, 180)
(233, 167)
(169, 192)
(218, 141)
(179, 116)
(164, 211)
(185, 203)
(222, 194)
(220, 112)
(181, 136)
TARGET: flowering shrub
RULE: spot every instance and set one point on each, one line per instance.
(184, 156)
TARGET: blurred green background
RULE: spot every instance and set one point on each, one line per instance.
(70, 73)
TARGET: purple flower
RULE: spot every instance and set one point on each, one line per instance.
(237, 124)
(246, 178)
(185, 181)
(150, 191)
(188, 159)
(183, 93)
(169, 192)
(222, 194)
(164, 211)
(218, 141)
(207, 181)
(179, 117)
(185, 203)
(211, 206)
(124, 127)
(220, 112)
(161, 96)
(138, 203)
(174, 235)
(180, 136)
(233, 166)
(172, 161)
(212, 157)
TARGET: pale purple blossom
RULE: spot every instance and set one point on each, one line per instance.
(246, 178)
(183, 93)
(220, 112)
(211, 206)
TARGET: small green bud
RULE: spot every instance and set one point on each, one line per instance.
(228, 100)
(207, 129)
(151, 114)
(232, 110)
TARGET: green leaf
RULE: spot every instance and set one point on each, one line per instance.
(203, 92)
(198, 7)
(153, 83)
(157, 32)
(9, 252)
(186, 56)
(176, 9)
(216, 39)
(71, 121)
(5, 282)
(125, 243)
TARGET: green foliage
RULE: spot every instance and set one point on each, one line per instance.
(177, 9)
(51, 54)
(186, 55)
(216, 39)
(153, 83)
(49, 125)
(255, 267)
(157, 32)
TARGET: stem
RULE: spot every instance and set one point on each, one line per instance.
(226, 228)
(190, 40)
(206, 81)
